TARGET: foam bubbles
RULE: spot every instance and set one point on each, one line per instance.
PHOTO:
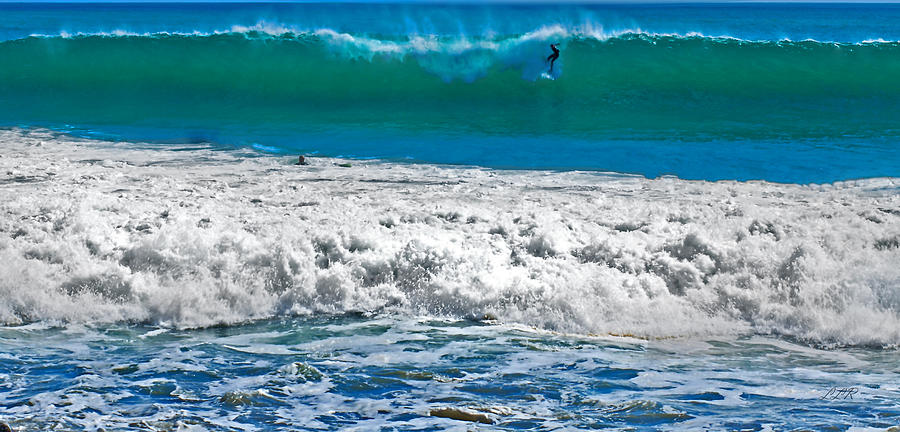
(96, 232)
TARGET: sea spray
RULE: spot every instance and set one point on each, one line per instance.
(639, 75)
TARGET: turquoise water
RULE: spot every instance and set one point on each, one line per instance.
(783, 93)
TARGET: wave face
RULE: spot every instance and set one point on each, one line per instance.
(279, 88)
(96, 232)
(656, 83)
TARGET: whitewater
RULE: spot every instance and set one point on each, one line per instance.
(216, 289)
(258, 237)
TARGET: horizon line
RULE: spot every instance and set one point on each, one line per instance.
(471, 2)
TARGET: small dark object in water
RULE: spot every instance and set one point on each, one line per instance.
(300, 161)
(5, 427)
(458, 414)
(345, 165)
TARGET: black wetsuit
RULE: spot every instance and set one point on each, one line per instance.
(552, 58)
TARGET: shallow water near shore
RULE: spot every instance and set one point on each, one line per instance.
(162, 287)
(387, 373)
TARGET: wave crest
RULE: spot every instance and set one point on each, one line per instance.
(471, 57)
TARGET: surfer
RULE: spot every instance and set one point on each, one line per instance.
(552, 58)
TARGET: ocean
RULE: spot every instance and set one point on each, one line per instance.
(692, 222)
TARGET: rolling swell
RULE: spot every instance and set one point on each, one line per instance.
(660, 84)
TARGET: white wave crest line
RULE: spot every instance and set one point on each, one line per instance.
(433, 42)
(116, 33)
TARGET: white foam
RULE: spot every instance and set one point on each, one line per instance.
(488, 40)
(102, 232)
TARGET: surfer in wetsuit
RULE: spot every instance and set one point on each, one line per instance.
(552, 58)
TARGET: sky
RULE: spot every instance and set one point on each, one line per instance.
(454, 1)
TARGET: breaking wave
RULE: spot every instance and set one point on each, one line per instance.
(605, 82)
